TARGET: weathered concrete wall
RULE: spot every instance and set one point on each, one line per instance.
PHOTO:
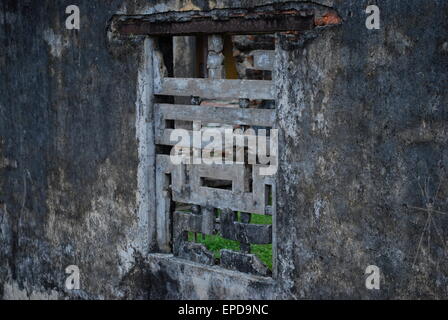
(364, 115)
(67, 117)
(365, 137)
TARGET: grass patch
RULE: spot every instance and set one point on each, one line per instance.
(216, 243)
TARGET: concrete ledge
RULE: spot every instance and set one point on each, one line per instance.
(174, 278)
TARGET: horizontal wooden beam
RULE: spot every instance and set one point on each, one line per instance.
(220, 198)
(237, 200)
(163, 137)
(216, 89)
(263, 19)
(224, 115)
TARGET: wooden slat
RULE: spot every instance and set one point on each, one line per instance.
(224, 115)
(217, 89)
(262, 19)
(197, 141)
(248, 233)
(244, 232)
(163, 204)
(253, 202)
(163, 137)
(231, 172)
(220, 198)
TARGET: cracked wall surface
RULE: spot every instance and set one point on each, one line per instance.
(362, 176)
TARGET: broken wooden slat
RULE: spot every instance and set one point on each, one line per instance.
(253, 233)
(216, 88)
(244, 232)
(224, 115)
(263, 59)
(243, 262)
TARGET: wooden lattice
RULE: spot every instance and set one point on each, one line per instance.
(242, 189)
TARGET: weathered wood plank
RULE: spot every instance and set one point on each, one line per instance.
(234, 21)
(224, 115)
(194, 193)
(163, 205)
(253, 202)
(234, 173)
(163, 137)
(263, 59)
(220, 198)
(217, 88)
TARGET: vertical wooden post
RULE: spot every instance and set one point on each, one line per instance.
(162, 203)
(146, 150)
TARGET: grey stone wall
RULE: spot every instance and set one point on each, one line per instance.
(364, 116)
(363, 156)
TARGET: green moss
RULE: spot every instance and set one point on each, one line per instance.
(216, 243)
